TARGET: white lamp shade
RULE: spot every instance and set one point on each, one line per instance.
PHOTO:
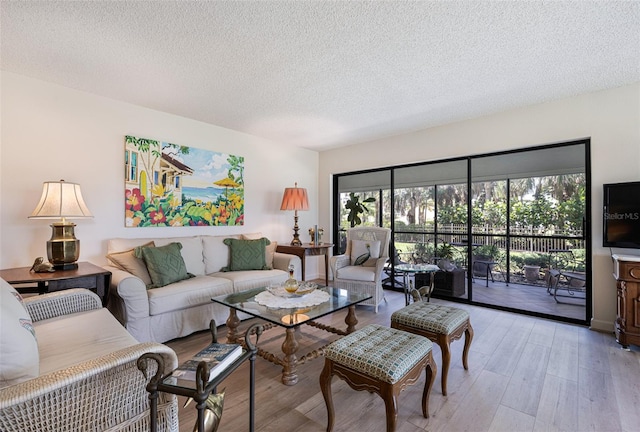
(61, 200)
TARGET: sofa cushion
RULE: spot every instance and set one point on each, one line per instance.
(19, 359)
(187, 294)
(191, 252)
(248, 279)
(191, 249)
(247, 254)
(127, 261)
(165, 264)
(216, 253)
(72, 339)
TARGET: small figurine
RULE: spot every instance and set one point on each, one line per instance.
(39, 266)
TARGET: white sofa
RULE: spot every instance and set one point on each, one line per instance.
(66, 364)
(184, 307)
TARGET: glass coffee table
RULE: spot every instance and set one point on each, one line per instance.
(290, 318)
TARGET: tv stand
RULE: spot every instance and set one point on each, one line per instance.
(626, 271)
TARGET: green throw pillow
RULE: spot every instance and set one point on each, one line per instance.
(247, 254)
(165, 264)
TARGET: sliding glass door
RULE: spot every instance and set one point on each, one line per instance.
(529, 213)
(510, 228)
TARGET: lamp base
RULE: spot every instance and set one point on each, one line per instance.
(63, 250)
(296, 237)
(71, 266)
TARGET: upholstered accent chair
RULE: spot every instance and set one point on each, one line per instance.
(360, 268)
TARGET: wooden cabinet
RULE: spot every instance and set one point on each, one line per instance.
(626, 271)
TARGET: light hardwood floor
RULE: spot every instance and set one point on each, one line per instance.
(525, 374)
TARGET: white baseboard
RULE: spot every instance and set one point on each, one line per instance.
(603, 326)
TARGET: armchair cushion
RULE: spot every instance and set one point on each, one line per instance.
(360, 249)
(165, 264)
(358, 273)
(74, 339)
(247, 254)
(19, 358)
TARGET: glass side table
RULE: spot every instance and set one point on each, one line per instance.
(412, 269)
(199, 389)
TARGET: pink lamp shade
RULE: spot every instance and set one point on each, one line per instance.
(295, 199)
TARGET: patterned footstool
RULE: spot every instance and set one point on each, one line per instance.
(381, 360)
(441, 324)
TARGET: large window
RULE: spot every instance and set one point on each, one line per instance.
(510, 219)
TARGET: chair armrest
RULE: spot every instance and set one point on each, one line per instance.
(60, 303)
(128, 298)
(93, 392)
(282, 260)
(336, 262)
(380, 263)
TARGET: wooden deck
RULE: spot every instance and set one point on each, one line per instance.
(531, 298)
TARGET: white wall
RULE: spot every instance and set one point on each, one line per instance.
(611, 118)
(51, 132)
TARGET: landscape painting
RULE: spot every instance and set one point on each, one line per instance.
(172, 185)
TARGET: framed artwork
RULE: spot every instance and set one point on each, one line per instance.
(172, 185)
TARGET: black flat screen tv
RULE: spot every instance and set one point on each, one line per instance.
(621, 216)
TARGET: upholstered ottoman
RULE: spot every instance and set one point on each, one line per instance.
(441, 324)
(381, 360)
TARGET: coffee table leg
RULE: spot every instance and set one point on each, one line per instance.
(351, 320)
(232, 325)
(290, 366)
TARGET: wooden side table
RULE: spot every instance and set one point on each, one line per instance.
(309, 249)
(86, 275)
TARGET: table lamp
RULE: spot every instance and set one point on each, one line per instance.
(295, 199)
(62, 200)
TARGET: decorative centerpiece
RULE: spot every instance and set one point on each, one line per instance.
(316, 235)
(291, 284)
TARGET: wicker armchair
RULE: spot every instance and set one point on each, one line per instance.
(365, 278)
(107, 393)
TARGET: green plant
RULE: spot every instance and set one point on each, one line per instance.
(491, 251)
(445, 251)
(356, 208)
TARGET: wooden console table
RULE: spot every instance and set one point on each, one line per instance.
(626, 271)
(309, 249)
(87, 275)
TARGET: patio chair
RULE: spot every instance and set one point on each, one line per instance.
(394, 260)
(483, 267)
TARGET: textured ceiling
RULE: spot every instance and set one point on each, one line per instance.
(323, 74)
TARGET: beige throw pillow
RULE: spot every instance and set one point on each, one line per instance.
(127, 261)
